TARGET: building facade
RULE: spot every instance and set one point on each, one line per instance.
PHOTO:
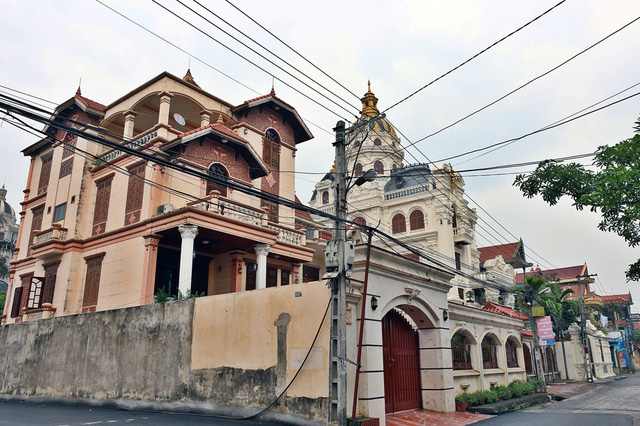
(102, 229)
(8, 233)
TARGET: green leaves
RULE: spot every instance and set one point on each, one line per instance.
(613, 190)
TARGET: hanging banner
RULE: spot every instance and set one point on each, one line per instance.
(545, 331)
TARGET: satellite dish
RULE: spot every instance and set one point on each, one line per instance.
(179, 119)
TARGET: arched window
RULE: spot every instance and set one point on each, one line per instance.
(394, 168)
(271, 149)
(461, 352)
(377, 141)
(398, 224)
(356, 144)
(528, 367)
(220, 174)
(360, 220)
(512, 353)
(379, 167)
(489, 353)
(416, 220)
(325, 197)
(358, 170)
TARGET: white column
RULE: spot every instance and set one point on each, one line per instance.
(188, 234)
(262, 250)
(165, 104)
(129, 123)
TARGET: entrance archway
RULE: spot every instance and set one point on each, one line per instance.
(401, 362)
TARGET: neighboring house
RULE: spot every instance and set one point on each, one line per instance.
(620, 318)
(8, 232)
(449, 344)
(575, 278)
(110, 232)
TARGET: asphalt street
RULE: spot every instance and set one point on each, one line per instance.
(28, 413)
(614, 403)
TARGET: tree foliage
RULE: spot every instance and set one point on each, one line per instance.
(613, 190)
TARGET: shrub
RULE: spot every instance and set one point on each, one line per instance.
(516, 388)
(462, 397)
(504, 393)
(490, 396)
(476, 398)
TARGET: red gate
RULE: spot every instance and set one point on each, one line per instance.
(401, 364)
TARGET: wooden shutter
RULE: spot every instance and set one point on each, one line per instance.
(135, 192)
(416, 220)
(92, 281)
(36, 223)
(101, 211)
(17, 299)
(50, 273)
(45, 172)
(398, 224)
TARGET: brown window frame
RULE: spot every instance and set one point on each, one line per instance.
(325, 197)
(49, 284)
(92, 288)
(489, 353)
(17, 301)
(37, 215)
(416, 220)
(285, 276)
(398, 224)
(511, 348)
(378, 166)
(461, 352)
(66, 168)
(133, 204)
(221, 172)
(102, 205)
(359, 170)
(45, 172)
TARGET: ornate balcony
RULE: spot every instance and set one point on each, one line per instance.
(463, 234)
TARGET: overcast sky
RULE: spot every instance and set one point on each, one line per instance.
(48, 46)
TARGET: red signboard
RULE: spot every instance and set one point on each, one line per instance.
(545, 328)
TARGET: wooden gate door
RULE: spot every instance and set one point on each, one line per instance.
(401, 364)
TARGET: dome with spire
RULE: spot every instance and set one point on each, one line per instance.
(5, 208)
(367, 122)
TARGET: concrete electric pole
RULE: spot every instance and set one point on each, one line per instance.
(338, 349)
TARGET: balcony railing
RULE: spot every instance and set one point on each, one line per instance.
(136, 143)
(286, 235)
(405, 192)
(56, 232)
(463, 234)
(243, 213)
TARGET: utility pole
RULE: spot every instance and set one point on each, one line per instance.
(584, 338)
(338, 348)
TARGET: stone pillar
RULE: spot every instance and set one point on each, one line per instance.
(371, 387)
(156, 191)
(295, 274)
(237, 267)
(436, 374)
(205, 118)
(188, 233)
(165, 104)
(129, 123)
(149, 268)
(262, 250)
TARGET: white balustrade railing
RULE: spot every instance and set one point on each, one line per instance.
(136, 143)
(287, 235)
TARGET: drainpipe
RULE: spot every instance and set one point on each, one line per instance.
(364, 301)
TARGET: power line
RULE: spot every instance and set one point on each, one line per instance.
(291, 48)
(258, 66)
(194, 57)
(524, 85)
(475, 56)
(259, 44)
(540, 130)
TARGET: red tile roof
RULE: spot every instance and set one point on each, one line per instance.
(218, 127)
(504, 310)
(271, 94)
(616, 298)
(189, 78)
(507, 251)
(569, 272)
(88, 102)
(303, 214)
(527, 333)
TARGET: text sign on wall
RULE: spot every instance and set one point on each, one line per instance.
(545, 328)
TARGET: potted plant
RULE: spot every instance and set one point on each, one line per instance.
(462, 402)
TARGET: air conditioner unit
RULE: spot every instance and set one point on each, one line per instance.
(165, 208)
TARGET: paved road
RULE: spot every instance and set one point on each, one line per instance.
(615, 403)
(27, 413)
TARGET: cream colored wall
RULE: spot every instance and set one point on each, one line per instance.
(237, 330)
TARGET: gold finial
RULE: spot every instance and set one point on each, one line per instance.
(369, 103)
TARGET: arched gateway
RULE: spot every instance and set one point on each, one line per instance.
(401, 361)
